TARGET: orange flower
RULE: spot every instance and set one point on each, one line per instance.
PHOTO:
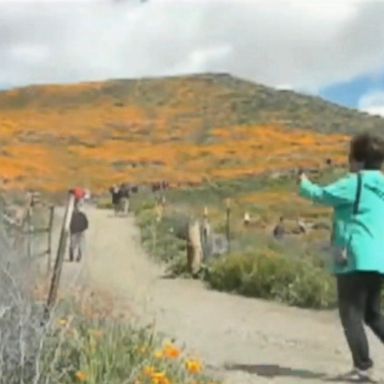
(171, 352)
(156, 377)
(81, 376)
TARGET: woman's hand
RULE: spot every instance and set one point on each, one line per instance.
(301, 177)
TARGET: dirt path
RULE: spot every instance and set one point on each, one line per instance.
(242, 340)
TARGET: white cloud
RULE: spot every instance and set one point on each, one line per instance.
(373, 103)
(300, 43)
(30, 53)
(203, 59)
(284, 87)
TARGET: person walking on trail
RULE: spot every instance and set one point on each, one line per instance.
(79, 224)
(116, 197)
(279, 230)
(124, 198)
(358, 246)
(80, 194)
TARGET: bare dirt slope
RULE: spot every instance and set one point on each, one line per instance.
(241, 340)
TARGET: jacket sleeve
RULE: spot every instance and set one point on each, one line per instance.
(342, 192)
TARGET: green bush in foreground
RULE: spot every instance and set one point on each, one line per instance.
(272, 276)
(97, 352)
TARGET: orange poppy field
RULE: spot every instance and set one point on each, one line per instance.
(95, 134)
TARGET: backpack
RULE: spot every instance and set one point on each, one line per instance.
(79, 222)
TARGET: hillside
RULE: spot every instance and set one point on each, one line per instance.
(180, 129)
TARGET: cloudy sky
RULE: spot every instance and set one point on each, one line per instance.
(331, 48)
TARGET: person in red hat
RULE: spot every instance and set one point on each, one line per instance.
(79, 193)
(78, 226)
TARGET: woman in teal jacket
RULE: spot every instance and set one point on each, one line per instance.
(358, 245)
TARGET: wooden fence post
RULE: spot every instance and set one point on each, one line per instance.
(194, 248)
(29, 232)
(228, 223)
(50, 229)
(158, 217)
(206, 234)
(27, 222)
(60, 255)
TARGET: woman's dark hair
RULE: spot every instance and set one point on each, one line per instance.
(368, 149)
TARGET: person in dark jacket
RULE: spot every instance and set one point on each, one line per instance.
(124, 198)
(79, 224)
(116, 198)
(279, 230)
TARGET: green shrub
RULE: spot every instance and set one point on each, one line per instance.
(269, 275)
(178, 266)
(177, 224)
(106, 351)
(164, 240)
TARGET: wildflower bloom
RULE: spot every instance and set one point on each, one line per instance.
(81, 376)
(171, 352)
(149, 371)
(194, 366)
(159, 378)
(159, 354)
(62, 322)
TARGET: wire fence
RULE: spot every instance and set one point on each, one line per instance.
(21, 331)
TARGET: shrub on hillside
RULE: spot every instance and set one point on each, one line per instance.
(268, 275)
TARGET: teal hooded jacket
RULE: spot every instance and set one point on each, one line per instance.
(361, 234)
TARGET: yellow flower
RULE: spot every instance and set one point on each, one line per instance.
(62, 322)
(149, 371)
(194, 366)
(159, 354)
(81, 376)
(159, 378)
(171, 352)
(155, 376)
